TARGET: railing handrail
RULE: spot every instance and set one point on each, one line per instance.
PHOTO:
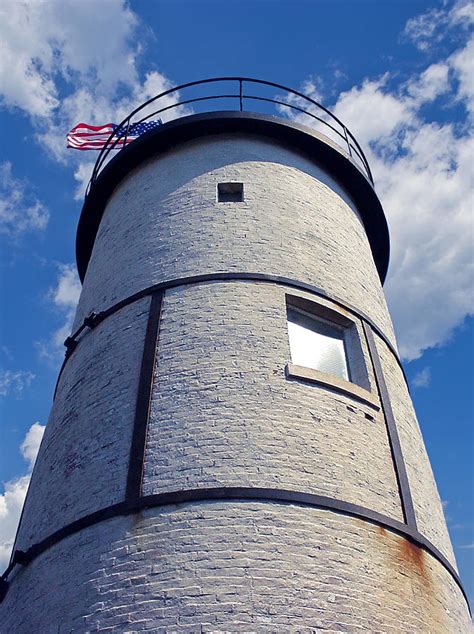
(350, 142)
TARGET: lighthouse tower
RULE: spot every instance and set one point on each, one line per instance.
(232, 445)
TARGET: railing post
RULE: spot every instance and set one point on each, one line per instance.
(241, 95)
(347, 140)
(126, 133)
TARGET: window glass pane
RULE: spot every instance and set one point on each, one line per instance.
(230, 192)
(316, 344)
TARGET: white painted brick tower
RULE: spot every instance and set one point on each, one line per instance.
(232, 445)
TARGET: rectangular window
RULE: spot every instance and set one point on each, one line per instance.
(230, 192)
(326, 349)
(317, 344)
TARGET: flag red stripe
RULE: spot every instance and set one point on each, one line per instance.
(82, 140)
(90, 134)
(83, 144)
(93, 127)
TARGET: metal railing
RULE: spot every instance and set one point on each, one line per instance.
(310, 112)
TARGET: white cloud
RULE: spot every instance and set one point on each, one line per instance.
(31, 443)
(373, 111)
(427, 30)
(25, 70)
(82, 175)
(68, 288)
(426, 195)
(14, 382)
(44, 42)
(11, 501)
(64, 296)
(422, 378)
(455, 21)
(462, 64)
(462, 13)
(20, 211)
(432, 83)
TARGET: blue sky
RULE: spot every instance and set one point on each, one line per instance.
(400, 76)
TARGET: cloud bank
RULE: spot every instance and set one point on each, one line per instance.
(422, 378)
(63, 297)
(11, 501)
(14, 383)
(20, 211)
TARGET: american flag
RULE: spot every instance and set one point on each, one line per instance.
(94, 137)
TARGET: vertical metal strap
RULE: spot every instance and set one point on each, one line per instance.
(394, 440)
(142, 407)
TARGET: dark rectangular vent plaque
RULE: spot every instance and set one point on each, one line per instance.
(230, 192)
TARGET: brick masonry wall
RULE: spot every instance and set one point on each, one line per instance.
(83, 460)
(234, 567)
(224, 414)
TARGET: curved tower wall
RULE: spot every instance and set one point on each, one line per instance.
(240, 491)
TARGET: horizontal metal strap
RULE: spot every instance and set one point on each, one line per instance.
(227, 494)
(96, 318)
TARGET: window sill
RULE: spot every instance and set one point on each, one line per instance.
(340, 385)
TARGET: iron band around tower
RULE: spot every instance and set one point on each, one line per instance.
(94, 319)
(224, 494)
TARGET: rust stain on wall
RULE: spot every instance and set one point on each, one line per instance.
(416, 563)
(415, 556)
